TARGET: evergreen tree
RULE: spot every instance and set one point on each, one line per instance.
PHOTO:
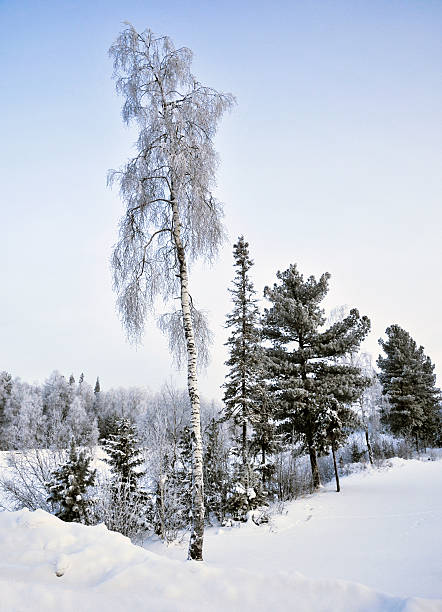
(408, 381)
(81, 379)
(71, 379)
(183, 473)
(131, 510)
(264, 441)
(68, 487)
(97, 387)
(216, 471)
(124, 455)
(242, 388)
(302, 365)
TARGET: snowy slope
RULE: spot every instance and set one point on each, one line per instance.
(49, 565)
(384, 530)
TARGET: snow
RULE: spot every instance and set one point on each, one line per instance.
(374, 547)
(383, 530)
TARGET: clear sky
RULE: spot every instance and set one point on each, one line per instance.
(331, 160)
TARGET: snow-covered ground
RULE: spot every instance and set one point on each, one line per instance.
(383, 531)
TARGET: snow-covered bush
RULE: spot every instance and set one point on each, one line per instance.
(24, 482)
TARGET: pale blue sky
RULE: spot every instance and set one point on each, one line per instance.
(330, 160)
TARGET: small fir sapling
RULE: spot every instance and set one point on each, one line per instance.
(69, 487)
(124, 456)
(132, 509)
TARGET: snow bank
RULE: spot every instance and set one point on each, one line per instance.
(47, 565)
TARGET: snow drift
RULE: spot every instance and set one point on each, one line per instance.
(47, 564)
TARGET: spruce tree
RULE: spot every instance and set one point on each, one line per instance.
(242, 388)
(131, 508)
(184, 473)
(302, 367)
(124, 455)
(408, 381)
(68, 487)
(216, 472)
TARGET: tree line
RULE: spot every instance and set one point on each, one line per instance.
(296, 389)
(294, 379)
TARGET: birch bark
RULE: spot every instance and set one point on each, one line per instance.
(197, 535)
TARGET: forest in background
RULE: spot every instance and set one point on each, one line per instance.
(292, 418)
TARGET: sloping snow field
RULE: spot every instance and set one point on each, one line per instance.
(383, 531)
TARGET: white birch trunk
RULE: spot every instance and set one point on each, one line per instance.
(197, 536)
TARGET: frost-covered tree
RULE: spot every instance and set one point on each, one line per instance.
(302, 364)
(183, 473)
(371, 402)
(162, 429)
(86, 395)
(124, 455)
(216, 470)
(119, 403)
(127, 508)
(408, 381)
(57, 398)
(69, 487)
(172, 217)
(5, 393)
(243, 388)
(80, 424)
(26, 425)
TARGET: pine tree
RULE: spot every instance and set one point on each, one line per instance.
(68, 487)
(302, 367)
(242, 388)
(408, 381)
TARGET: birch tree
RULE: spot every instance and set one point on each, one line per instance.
(171, 216)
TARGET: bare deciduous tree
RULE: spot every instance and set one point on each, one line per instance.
(171, 217)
